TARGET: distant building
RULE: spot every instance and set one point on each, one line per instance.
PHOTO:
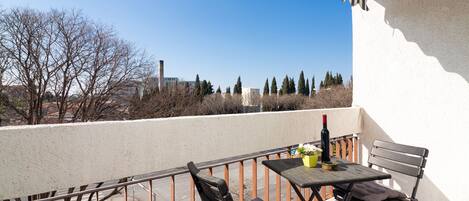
(156, 82)
(162, 81)
(170, 81)
(251, 96)
(191, 83)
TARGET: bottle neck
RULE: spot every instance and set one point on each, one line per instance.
(324, 121)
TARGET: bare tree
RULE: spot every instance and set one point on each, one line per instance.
(171, 102)
(54, 55)
(73, 30)
(282, 103)
(181, 100)
(333, 97)
(113, 68)
(30, 42)
(5, 63)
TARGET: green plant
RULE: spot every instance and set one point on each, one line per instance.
(308, 150)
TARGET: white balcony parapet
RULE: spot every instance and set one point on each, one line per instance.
(39, 158)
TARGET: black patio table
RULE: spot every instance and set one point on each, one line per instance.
(346, 172)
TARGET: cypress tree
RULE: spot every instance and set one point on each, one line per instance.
(333, 81)
(209, 88)
(332, 77)
(307, 88)
(273, 87)
(341, 81)
(285, 86)
(266, 87)
(301, 84)
(292, 86)
(204, 88)
(313, 87)
(218, 90)
(329, 80)
(321, 86)
(326, 80)
(336, 80)
(238, 89)
(235, 89)
(198, 89)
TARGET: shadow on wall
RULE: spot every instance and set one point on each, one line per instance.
(371, 131)
(439, 27)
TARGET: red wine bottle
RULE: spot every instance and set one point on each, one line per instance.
(325, 140)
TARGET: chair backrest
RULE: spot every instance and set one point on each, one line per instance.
(405, 159)
(210, 188)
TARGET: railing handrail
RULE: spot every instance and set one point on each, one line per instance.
(182, 170)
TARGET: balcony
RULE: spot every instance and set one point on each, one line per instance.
(145, 159)
(410, 81)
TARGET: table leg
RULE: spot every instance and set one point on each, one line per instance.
(316, 194)
(298, 192)
(315, 190)
(348, 194)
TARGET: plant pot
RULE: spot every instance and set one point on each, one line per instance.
(310, 161)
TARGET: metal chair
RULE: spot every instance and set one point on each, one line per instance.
(210, 188)
(405, 159)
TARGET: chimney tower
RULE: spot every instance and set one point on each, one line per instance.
(161, 76)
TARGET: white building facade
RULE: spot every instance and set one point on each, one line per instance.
(411, 73)
(251, 96)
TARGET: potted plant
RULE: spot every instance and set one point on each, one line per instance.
(309, 153)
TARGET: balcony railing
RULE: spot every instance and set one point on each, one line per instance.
(345, 147)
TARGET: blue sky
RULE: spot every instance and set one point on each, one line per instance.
(223, 39)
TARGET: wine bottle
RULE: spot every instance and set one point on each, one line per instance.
(325, 140)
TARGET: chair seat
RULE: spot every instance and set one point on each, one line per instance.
(370, 191)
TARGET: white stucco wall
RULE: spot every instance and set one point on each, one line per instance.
(411, 73)
(35, 159)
